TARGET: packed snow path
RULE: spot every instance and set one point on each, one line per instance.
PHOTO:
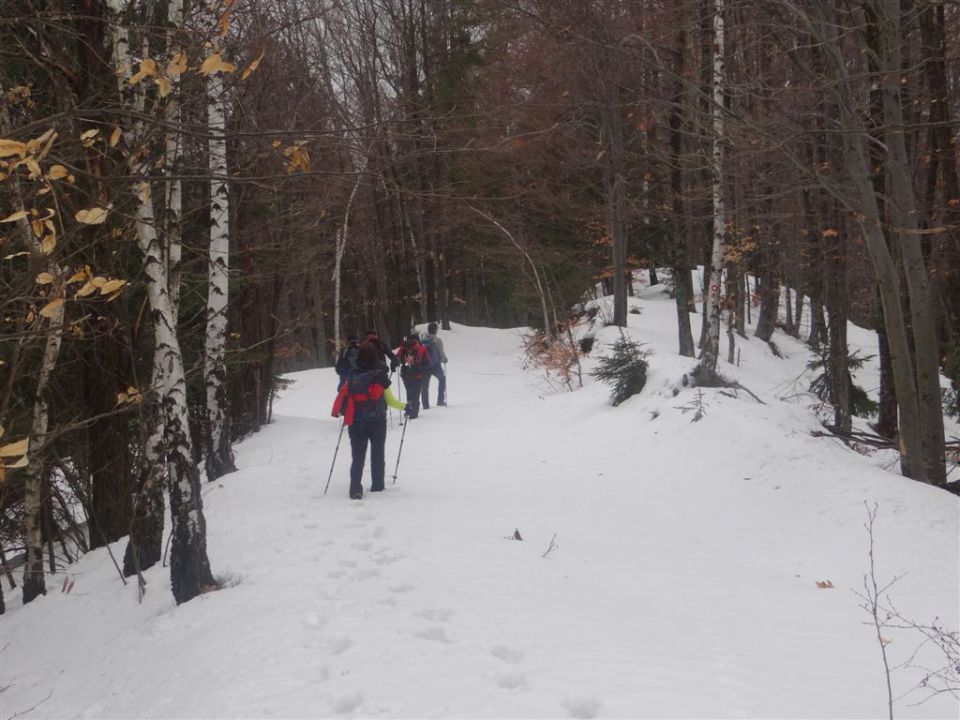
(682, 581)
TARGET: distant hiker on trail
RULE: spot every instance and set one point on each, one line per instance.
(415, 364)
(363, 401)
(347, 360)
(383, 352)
(434, 347)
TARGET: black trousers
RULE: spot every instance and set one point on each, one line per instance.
(412, 386)
(438, 373)
(362, 433)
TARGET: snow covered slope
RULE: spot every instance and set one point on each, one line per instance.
(682, 580)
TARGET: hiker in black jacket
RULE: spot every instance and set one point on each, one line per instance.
(347, 360)
(383, 352)
(363, 402)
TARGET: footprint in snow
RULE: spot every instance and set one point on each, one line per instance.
(335, 574)
(348, 703)
(401, 588)
(434, 615)
(314, 620)
(340, 645)
(385, 557)
(511, 681)
(310, 526)
(378, 531)
(367, 574)
(364, 545)
(507, 654)
(582, 708)
(434, 633)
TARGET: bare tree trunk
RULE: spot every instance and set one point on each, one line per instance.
(614, 183)
(219, 454)
(711, 345)
(904, 211)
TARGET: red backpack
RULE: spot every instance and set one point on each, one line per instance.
(361, 398)
(416, 360)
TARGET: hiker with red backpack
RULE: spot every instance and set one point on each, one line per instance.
(415, 363)
(363, 401)
(434, 347)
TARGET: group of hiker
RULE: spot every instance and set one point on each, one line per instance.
(364, 369)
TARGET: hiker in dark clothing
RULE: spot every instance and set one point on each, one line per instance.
(383, 352)
(347, 360)
(415, 363)
(437, 359)
(363, 401)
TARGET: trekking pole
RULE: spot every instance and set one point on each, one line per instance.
(402, 435)
(339, 438)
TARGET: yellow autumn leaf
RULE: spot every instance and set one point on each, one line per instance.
(111, 285)
(92, 216)
(224, 23)
(48, 243)
(148, 67)
(37, 227)
(16, 254)
(143, 191)
(21, 463)
(215, 63)
(1, 431)
(89, 134)
(78, 276)
(44, 278)
(57, 172)
(33, 166)
(121, 398)
(164, 85)
(51, 308)
(252, 67)
(15, 449)
(8, 148)
(178, 65)
(115, 137)
(99, 281)
(88, 288)
(18, 215)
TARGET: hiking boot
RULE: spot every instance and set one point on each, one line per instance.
(441, 404)
(356, 496)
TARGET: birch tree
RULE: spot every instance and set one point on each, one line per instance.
(169, 446)
(711, 316)
(219, 455)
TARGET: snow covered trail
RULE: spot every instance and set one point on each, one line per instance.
(682, 582)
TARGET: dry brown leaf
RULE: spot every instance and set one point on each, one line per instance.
(252, 67)
(15, 449)
(178, 65)
(215, 63)
(115, 137)
(78, 276)
(57, 172)
(111, 285)
(8, 148)
(164, 85)
(51, 308)
(824, 584)
(93, 216)
(224, 23)
(148, 67)
(45, 278)
(48, 243)
(99, 281)
(88, 288)
(18, 215)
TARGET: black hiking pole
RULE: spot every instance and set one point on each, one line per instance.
(402, 435)
(339, 438)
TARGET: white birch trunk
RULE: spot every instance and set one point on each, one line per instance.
(34, 583)
(189, 567)
(338, 262)
(711, 345)
(219, 458)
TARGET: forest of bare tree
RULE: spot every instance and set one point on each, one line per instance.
(197, 197)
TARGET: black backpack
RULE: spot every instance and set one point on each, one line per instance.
(365, 388)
